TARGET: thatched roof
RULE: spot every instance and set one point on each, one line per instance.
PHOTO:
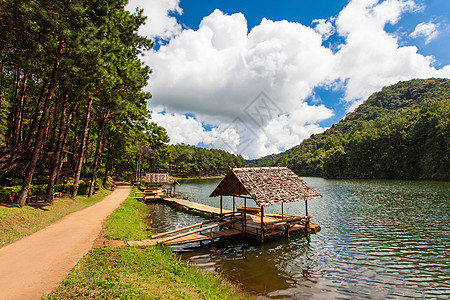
(156, 177)
(13, 162)
(266, 185)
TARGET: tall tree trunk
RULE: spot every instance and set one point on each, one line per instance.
(17, 132)
(66, 134)
(12, 119)
(81, 152)
(1, 82)
(107, 167)
(36, 116)
(57, 150)
(53, 126)
(97, 154)
(40, 133)
(45, 139)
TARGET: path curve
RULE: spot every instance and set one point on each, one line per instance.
(35, 265)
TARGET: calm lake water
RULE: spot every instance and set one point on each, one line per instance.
(380, 239)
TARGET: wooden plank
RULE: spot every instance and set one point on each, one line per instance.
(185, 228)
(188, 239)
(200, 229)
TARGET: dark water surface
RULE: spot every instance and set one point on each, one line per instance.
(380, 239)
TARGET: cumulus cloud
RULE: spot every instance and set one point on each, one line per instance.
(218, 72)
(159, 23)
(371, 57)
(324, 27)
(429, 31)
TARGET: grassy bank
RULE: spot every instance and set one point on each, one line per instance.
(138, 273)
(16, 222)
(129, 222)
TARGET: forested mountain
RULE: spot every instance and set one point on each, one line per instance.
(401, 132)
(187, 160)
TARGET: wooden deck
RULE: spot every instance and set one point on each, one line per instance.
(228, 224)
(150, 194)
(194, 237)
(189, 205)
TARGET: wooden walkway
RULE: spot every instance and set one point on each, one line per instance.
(189, 205)
(228, 224)
(194, 237)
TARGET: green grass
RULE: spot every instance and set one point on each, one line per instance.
(140, 273)
(16, 222)
(129, 222)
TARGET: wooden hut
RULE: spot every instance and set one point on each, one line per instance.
(268, 186)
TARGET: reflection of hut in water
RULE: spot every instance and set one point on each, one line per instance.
(267, 186)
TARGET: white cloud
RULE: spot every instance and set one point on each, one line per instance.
(217, 71)
(371, 57)
(324, 27)
(429, 31)
(188, 130)
(159, 23)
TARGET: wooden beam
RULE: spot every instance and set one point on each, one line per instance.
(185, 228)
(200, 229)
(262, 224)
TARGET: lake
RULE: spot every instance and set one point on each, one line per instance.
(380, 239)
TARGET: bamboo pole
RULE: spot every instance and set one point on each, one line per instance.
(262, 224)
(234, 207)
(185, 228)
(200, 230)
(307, 218)
(245, 214)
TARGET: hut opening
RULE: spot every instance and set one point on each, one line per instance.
(267, 186)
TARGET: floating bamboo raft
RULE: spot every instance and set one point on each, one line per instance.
(228, 224)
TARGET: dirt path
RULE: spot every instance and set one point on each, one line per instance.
(33, 266)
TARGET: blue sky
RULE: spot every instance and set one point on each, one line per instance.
(312, 62)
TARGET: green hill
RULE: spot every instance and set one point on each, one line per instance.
(401, 132)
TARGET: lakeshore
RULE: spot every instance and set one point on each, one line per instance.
(114, 271)
(379, 239)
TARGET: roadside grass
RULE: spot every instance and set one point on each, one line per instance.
(16, 222)
(138, 272)
(129, 222)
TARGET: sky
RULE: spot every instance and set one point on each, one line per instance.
(257, 77)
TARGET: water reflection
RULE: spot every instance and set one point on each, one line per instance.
(379, 240)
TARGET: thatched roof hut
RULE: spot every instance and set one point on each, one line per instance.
(157, 178)
(13, 162)
(266, 185)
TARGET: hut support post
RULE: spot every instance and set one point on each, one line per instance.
(287, 227)
(306, 207)
(245, 216)
(307, 217)
(262, 224)
(220, 206)
(234, 204)
(282, 212)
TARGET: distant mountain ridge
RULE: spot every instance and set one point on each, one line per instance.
(400, 132)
